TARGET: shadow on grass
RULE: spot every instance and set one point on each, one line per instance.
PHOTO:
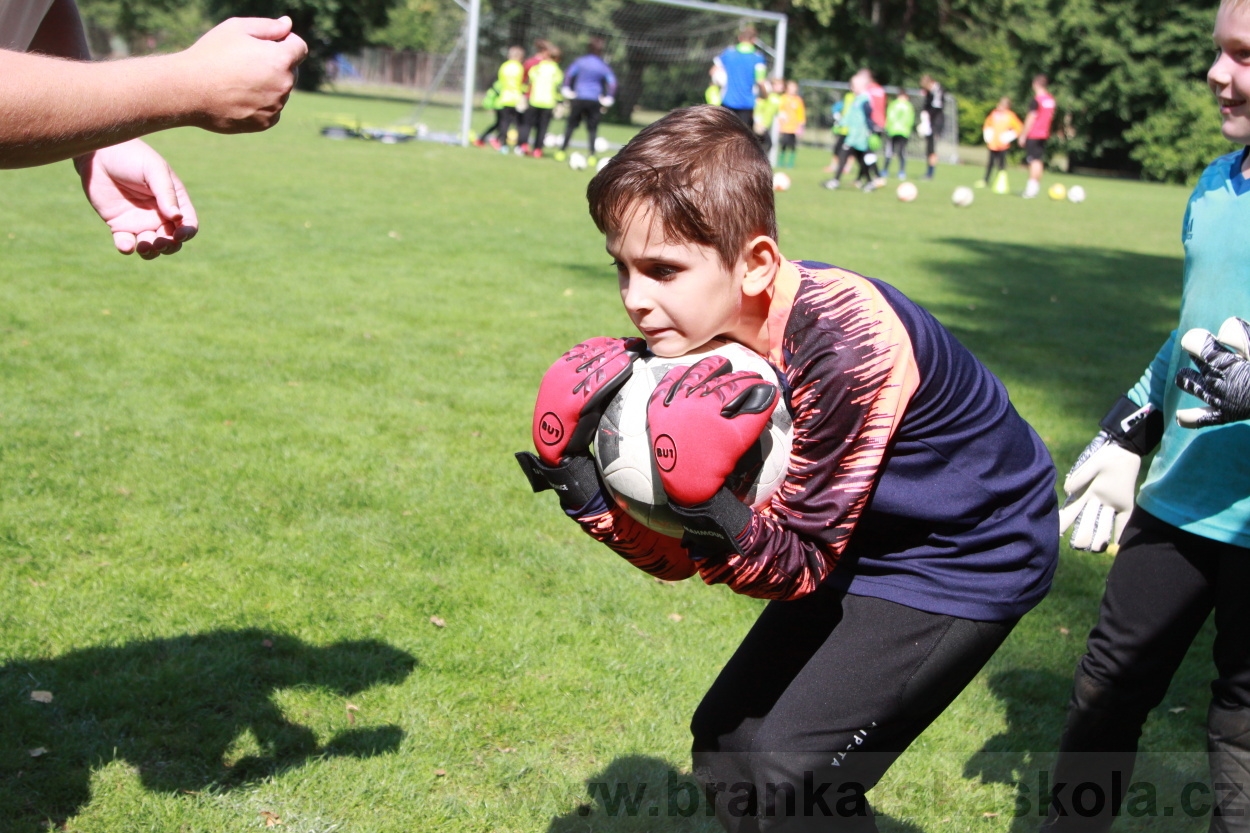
(172, 709)
(1079, 323)
(641, 794)
(1166, 792)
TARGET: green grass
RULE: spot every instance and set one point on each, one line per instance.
(237, 484)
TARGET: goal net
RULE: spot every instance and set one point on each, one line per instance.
(661, 52)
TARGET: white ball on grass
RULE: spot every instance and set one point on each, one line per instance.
(962, 196)
(907, 191)
(1076, 194)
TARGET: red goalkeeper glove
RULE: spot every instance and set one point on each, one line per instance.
(571, 400)
(701, 420)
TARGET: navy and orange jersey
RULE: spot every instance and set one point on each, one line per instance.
(911, 476)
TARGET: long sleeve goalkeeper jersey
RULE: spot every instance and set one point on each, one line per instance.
(911, 476)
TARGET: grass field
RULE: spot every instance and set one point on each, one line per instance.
(263, 539)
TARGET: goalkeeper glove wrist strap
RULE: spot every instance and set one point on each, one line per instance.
(575, 480)
(1138, 428)
(713, 527)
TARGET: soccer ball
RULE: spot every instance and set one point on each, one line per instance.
(1076, 194)
(781, 181)
(623, 449)
(552, 140)
(603, 163)
(601, 145)
(1057, 191)
(907, 191)
(962, 196)
(577, 161)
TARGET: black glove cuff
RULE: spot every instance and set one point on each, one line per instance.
(575, 480)
(712, 527)
(1138, 428)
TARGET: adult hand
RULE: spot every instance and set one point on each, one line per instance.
(244, 69)
(138, 195)
(1222, 379)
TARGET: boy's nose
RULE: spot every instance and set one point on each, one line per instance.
(635, 296)
(1218, 75)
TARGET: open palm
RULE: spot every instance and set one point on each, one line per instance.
(138, 195)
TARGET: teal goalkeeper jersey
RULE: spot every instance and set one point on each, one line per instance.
(1200, 479)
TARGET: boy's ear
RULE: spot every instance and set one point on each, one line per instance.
(762, 259)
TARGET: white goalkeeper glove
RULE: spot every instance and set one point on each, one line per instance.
(606, 101)
(1102, 484)
(568, 93)
(1100, 489)
(1222, 379)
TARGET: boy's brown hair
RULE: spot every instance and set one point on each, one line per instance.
(701, 172)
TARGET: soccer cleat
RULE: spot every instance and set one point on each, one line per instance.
(477, 143)
(832, 184)
(538, 153)
(902, 175)
(496, 144)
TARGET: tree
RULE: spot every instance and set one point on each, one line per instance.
(142, 26)
(328, 26)
(421, 26)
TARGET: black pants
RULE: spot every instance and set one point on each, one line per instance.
(579, 109)
(867, 171)
(896, 148)
(537, 119)
(747, 117)
(821, 697)
(494, 128)
(1162, 586)
(997, 158)
(509, 119)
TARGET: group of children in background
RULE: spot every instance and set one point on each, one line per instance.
(527, 91)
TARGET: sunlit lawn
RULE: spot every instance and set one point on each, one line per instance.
(263, 540)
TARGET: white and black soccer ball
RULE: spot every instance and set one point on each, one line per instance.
(623, 453)
(577, 161)
(601, 145)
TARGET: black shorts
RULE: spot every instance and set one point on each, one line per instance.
(1034, 150)
(789, 141)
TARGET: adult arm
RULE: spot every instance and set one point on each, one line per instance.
(235, 79)
(1028, 124)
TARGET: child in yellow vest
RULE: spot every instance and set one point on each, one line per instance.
(545, 79)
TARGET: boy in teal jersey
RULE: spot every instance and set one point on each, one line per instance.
(1184, 549)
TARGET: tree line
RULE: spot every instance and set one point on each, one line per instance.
(1129, 75)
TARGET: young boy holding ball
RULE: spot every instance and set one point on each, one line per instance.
(917, 522)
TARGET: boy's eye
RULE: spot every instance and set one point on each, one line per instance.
(661, 272)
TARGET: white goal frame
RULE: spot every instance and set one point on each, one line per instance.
(472, 25)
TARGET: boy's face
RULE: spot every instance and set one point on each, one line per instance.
(792, 88)
(679, 295)
(1229, 75)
